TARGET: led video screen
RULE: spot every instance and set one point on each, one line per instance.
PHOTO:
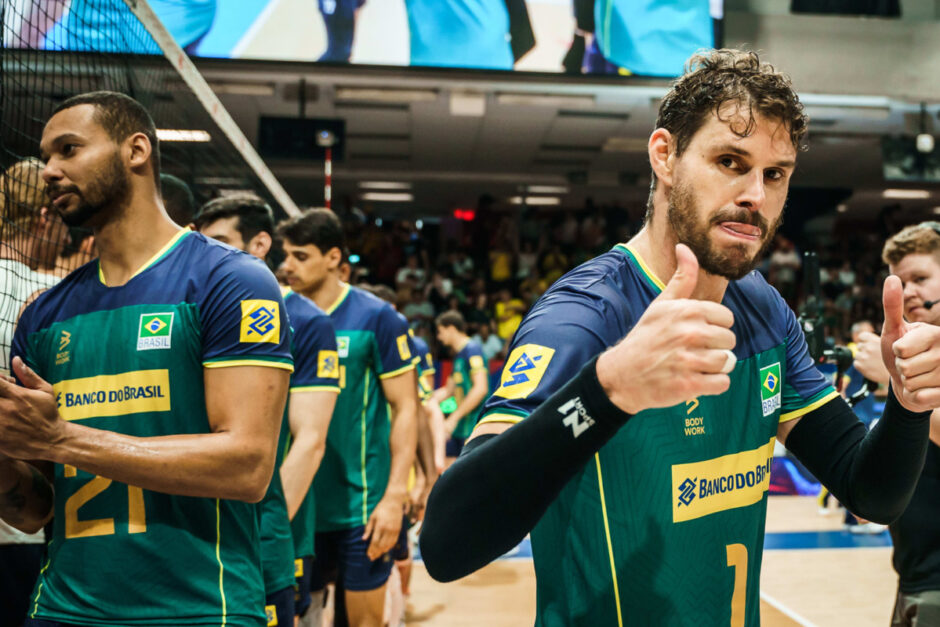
(618, 37)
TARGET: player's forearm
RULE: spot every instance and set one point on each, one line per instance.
(471, 401)
(426, 446)
(403, 441)
(501, 485)
(213, 465)
(299, 468)
(873, 474)
(26, 496)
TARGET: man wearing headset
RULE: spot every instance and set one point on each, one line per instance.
(913, 254)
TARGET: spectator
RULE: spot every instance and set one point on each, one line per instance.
(177, 199)
(508, 313)
(488, 341)
(438, 290)
(417, 309)
(412, 273)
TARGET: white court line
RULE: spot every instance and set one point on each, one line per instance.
(783, 609)
(252, 31)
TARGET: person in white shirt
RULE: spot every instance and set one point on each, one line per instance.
(29, 235)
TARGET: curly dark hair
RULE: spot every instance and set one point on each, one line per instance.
(718, 77)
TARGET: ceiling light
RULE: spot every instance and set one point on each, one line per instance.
(384, 185)
(178, 135)
(906, 194)
(842, 208)
(936, 211)
(547, 189)
(388, 196)
(544, 100)
(535, 200)
(374, 94)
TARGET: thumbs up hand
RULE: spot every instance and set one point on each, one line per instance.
(679, 348)
(911, 353)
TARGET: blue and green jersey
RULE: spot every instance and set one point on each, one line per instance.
(130, 359)
(373, 344)
(665, 525)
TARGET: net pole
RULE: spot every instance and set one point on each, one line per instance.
(191, 76)
(328, 179)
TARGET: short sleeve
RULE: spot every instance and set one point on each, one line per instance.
(550, 347)
(393, 348)
(804, 387)
(475, 358)
(243, 317)
(20, 344)
(316, 361)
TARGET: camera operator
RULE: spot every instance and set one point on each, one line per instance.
(913, 254)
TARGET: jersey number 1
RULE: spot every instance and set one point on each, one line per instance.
(737, 559)
(75, 528)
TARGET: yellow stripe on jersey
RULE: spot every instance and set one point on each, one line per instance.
(395, 373)
(796, 413)
(610, 544)
(218, 556)
(505, 418)
(645, 268)
(230, 363)
(315, 388)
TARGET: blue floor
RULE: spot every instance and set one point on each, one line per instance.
(772, 542)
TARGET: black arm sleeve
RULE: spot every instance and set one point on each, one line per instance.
(873, 474)
(498, 489)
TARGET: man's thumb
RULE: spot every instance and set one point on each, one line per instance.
(26, 375)
(892, 297)
(682, 283)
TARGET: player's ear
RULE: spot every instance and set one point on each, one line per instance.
(661, 148)
(138, 150)
(260, 245)
(334, 256)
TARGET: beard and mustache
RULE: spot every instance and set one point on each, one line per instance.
(104, 193)
(732, 262)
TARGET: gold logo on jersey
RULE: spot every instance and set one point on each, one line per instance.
(476, 362)
(260, 322)
(524, 369)
(716, 485)
(404, 351)
(694, 425)
(270, 612)
(328, 365)
(62, 356)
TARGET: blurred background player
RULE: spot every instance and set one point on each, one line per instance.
(913, 254)
(469, 383)
(164, 429)
(361, 487)
(178, 199)
(246, 222)
(339, 18)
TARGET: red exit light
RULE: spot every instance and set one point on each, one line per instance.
(466, 215)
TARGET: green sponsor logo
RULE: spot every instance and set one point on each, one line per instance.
(770, 388)
(155, 331)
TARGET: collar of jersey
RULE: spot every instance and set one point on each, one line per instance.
(339, 300)
(654, 280)
(163, 252)
(285, 291)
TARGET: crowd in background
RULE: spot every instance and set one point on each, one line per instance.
(494, 267)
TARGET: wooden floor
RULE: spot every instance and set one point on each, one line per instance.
(807, 587)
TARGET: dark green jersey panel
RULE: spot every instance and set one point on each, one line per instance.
(372, 342)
